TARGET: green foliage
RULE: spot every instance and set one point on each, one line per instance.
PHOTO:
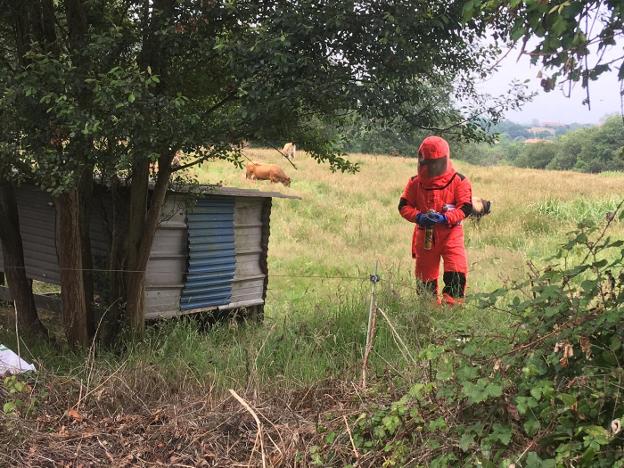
(565, 33)
(536, 155)
(547, 394)
(594, 149)
(229, 72)
(19, 396)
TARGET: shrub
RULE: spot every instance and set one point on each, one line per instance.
(548, 393)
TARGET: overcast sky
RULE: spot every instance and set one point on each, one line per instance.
(554, 106)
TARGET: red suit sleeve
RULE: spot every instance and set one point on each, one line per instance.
(407, 203)
(463, 202)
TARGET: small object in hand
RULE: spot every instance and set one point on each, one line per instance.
(423, 220)
(436, 218)
(429, 232)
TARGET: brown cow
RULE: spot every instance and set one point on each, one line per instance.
(175, 162)
(272, 172)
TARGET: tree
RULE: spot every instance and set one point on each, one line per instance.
(575, 40)
(536, 155)
(569, 147)
(108, 87)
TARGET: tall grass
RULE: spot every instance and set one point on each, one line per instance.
(578, 209)
(345, 223)
(315, 328)
(322, 339)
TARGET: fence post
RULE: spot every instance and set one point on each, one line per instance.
(372, 324)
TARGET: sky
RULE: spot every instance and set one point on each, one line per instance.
(554, 106)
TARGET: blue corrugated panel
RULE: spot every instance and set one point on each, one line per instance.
(212, 256)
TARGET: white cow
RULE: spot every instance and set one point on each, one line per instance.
(290, 149)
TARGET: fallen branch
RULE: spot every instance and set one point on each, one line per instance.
(355, 450)
(395, 333)
(258, 424)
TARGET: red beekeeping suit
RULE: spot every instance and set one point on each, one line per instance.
(446, 192)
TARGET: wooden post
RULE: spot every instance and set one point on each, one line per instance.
(372, 325)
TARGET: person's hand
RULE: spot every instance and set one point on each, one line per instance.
(436, 218)
(423, 220)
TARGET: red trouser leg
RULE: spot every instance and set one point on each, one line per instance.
(427, 263)
(455, 266)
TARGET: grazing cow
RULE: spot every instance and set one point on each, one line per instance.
(272, 172)
(480, 208)
(175, 162)
(290, 149)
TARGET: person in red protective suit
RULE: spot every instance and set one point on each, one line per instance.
(438, 197)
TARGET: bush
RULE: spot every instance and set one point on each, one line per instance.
(548, 393)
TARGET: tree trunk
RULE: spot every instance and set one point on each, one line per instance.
(136, 227)
(143, 220)
(20, 286)
(85, 191)
(116, 278)
(76, 308)
(141, 232)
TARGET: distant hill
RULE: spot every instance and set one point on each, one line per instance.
(535, 130)
(583, 148)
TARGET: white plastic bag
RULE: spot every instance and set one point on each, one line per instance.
(11, 363)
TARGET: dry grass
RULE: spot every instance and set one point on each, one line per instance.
(191, 430)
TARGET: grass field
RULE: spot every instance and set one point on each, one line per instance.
(314, 330)
(346, 223)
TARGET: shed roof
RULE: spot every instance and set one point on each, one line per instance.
(205, 189)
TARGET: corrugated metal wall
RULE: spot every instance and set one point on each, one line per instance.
(250, 228)
(38, 228)
(164, 278)
(211, 254)
(164, 296)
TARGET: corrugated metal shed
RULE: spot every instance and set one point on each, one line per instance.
(210, 251)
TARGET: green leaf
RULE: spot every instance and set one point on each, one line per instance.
(518, 31)
(531, 426)
(615, 343)
(466, 441)
(568, 400)
(534, 461)
(9, 407)
(482, 390)
(596, 434)
(501, 433)
(437, 424)
(131, 97)
(467, 372)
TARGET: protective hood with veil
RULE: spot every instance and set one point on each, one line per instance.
(435, 169)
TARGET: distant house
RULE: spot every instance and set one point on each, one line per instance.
(541, 131)
(209, 254)
(531, 141)
(552, 124)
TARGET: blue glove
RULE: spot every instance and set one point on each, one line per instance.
(437, 218)
(423, 220)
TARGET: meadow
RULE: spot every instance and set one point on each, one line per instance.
(346, 223)
(322, 250)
